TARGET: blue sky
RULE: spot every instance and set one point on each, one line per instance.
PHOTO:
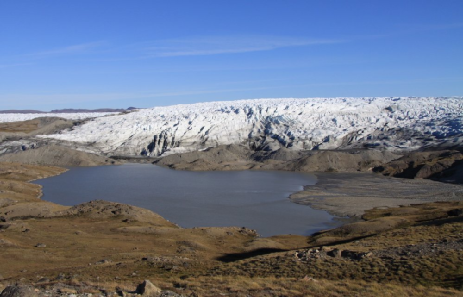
(92, 54)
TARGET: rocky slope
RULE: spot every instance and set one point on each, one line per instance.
(235, 157)
(55, 155)
(36, 126)
(19, 144)
(102, 248)
(441, 165)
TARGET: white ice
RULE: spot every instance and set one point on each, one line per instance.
(299, 124)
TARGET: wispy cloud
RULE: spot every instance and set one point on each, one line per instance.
(67, 50)
(216, 45)
(236, 44)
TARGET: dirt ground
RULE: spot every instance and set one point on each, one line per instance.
(104, 248)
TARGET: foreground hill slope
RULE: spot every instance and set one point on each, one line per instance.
(268, 124)
(105, 249)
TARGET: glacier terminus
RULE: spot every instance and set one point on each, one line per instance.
(392, 123)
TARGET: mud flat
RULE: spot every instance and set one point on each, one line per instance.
(351, 194)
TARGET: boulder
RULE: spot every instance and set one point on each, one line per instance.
(148, 289)
(19, 291)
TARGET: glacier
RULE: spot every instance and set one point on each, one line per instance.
(269, 124)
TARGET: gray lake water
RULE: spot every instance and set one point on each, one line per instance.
(253, 199)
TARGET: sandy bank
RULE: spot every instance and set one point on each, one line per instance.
(351, 194)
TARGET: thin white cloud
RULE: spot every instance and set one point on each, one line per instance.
(72, 49)
(235, 44)
(216, 45)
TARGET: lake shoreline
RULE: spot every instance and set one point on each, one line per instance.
(347, 195)
(351, 194)
(121, 245)
(252, 199)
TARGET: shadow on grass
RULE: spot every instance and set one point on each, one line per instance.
(242, 256)
(440, 222)
(341, 241)
(266, 251)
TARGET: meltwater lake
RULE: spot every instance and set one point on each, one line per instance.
(253, 199)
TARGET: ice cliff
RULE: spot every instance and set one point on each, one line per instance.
(268, 124)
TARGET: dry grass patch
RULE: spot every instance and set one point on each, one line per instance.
(99, 246)
(306, 286)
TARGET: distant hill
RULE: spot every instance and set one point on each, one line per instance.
(71, 110)
(68, 110)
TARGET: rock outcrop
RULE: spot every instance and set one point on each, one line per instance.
(442, 165)
(19, 291)
(105, 209)
(147, 289)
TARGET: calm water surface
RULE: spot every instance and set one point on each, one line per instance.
(253, 199)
